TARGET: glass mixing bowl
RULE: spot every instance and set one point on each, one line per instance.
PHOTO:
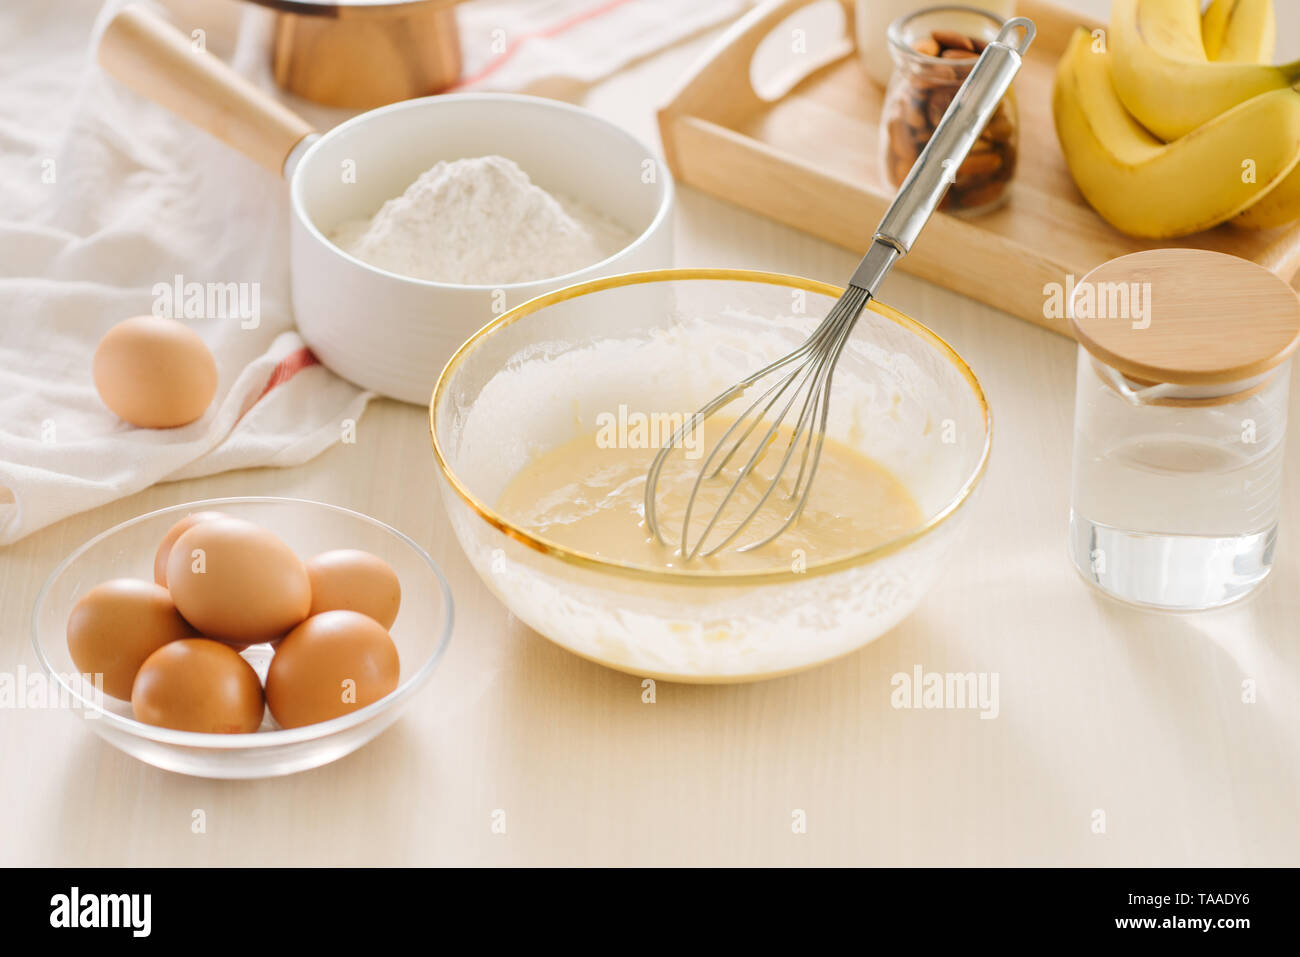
(421, 633)
(669, 340)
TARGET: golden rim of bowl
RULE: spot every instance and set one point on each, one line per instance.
(677, 576)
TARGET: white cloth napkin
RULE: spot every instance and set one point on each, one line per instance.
(519, 44)
(104, 196)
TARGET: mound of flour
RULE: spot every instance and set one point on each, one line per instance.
(481, 221)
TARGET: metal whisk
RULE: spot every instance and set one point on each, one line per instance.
(810, 367)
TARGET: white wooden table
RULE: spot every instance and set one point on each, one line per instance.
(1102, 708)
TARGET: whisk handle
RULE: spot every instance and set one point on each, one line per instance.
(936, 168)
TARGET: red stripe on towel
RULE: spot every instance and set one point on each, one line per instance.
(288, 367)
(284, 370)
(553, 31)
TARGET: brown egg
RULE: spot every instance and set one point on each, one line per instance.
(155, 373)
(330, 665)
(165, 548)
(237, 582)
(198, 685)
(355, 581)
(115, 626)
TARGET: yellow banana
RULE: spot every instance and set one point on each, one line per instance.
(1239, 31)
(1214, 25)
(1161, 190)
(1163, 77)
(1277, 207)
(1245, 31)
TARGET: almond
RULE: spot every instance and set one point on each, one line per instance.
(952, 40)
(927, 47)
(978, 165)
(940, 100)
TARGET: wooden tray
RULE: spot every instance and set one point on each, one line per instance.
(810, 160)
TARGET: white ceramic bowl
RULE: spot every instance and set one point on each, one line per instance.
(393, 334)
(421, 633)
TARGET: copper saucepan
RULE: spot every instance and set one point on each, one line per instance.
(365, 53)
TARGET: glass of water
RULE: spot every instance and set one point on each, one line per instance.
(1179, 428)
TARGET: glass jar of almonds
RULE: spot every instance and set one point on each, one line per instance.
(934, 51)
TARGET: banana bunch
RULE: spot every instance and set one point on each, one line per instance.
(1173, 122)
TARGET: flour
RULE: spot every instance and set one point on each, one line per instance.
(481, 221)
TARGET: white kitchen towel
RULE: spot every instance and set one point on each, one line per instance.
(518, 44)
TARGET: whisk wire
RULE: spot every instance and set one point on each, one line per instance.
(784, 384)
(818, 371)
(713, 405)
(816, 339)
(810, 380)
(779, 388)
(815, 440)
(759, 452)
(703, 412)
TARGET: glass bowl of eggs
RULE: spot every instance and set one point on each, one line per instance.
(545, 422)
(242, 637)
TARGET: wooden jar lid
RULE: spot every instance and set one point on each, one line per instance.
(1209, 318)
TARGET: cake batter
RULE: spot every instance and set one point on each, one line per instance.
(590, 498)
